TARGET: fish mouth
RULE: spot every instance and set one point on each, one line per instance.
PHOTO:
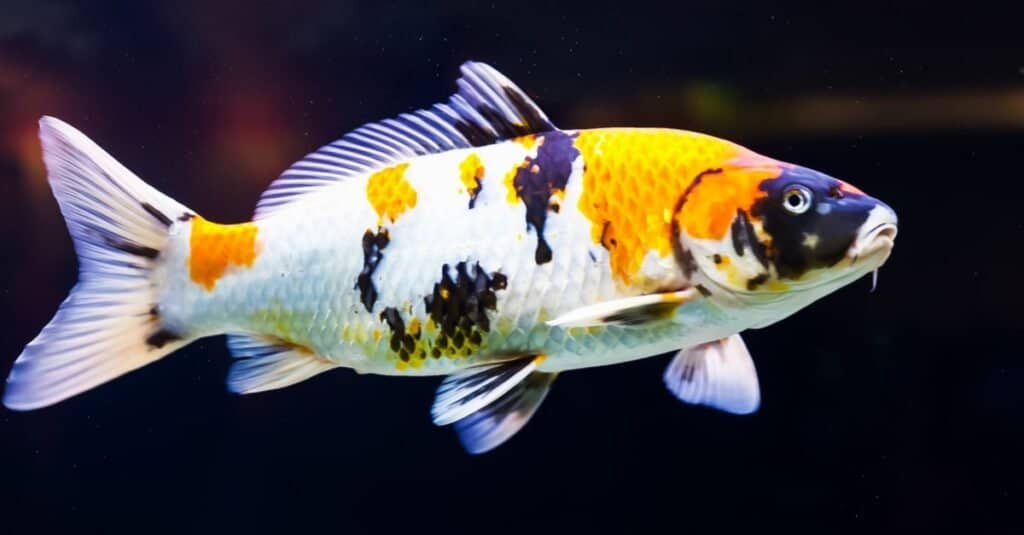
(880, 238)
(877, 238)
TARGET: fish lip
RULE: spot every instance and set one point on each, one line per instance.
(880, 238)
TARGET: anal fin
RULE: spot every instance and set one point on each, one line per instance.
(266, 363)
(718, 374)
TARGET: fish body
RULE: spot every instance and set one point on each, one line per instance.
(452, 276)
(474, 240)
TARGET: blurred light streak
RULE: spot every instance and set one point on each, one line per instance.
(711, 108)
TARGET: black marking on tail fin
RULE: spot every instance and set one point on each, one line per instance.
(131, 248)
(157, 214)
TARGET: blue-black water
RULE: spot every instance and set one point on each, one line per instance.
(901, 410)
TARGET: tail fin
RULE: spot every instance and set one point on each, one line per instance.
(109, 324)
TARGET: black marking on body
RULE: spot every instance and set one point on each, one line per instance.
(743, 236)
(537, 179)
(474, 192)
(161, 338)
(836, 230)
(753, 283)
(458, 306)
(157, 214)
(402, 342)
(478, 173)
(703, 291)
(684, 258)
(373, 245)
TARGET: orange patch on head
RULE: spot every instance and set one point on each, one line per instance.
(632, 181)
(213, 247)
(711, 206)
(390, 193)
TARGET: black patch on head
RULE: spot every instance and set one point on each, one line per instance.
(743, 236)
(703, 291)
(157, 214)
(459, 305)
(538, 178)
(131, 248)
(835, 230)
(161, 338)
(373, 245)
(684, 259)
(186, 217)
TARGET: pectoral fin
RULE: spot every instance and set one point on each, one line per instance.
(717, 374)
(637, 310)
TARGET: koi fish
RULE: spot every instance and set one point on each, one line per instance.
(473, 240)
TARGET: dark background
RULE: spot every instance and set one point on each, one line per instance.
(897, 411)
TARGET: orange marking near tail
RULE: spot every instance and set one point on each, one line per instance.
(214, 247)
(390, 193)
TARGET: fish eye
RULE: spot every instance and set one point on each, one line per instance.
(797, 199)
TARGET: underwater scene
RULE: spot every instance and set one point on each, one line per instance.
(486, 267)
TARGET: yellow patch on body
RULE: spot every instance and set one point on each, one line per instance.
(471, 172)
(390, 193)
(213, 248)
(510, 184)
(528, 141)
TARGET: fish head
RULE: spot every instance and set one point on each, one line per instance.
(780, 231)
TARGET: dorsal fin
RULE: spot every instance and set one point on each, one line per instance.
(487, 108)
